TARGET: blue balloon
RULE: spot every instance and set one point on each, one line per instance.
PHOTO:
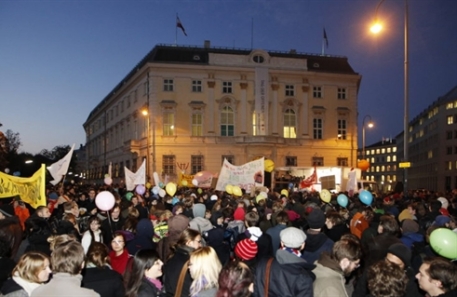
(342, 200)
(366, 197)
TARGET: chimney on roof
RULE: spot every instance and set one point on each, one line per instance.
(293, 51)
(207, 44)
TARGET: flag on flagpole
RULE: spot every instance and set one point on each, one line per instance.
(325, 38)
(60, 168)
(312, 179)
(179, 25)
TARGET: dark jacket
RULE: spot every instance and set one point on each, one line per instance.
(172, 270)
(10, 286)
(377, 248)
(104, 281)
(274, 234)
(108, 228)
(11, 231)
(290, 276)
(337, 231)
(148, 289)
(143, 237)
(6, 267)
(315, 245)
(410, 238)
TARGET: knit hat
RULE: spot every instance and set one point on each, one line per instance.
(316, 219)
(444, 202)
(253, 233)
(409, 226)
(53, 196)
(7, 210)
(200, 224)
(292, 237)
(401, 251)
(441, 221)
(292, 215)
(246, 249)
(238, 215)
(213, 197)
(177, 224)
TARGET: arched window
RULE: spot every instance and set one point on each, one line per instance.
(290, 124)
(227, 121)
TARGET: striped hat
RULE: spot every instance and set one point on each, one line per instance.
(246, 249)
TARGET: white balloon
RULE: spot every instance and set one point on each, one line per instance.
(162, 193)
(7, 170)
(155, 190)
(195, 182)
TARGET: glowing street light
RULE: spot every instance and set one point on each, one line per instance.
(370, 124)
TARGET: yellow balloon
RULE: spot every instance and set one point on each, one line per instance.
(326, 196)
(285, 192)
(184, 183)
(171, 188)
(237, 191)
(148, 185)
(229, 189)
(269, 165)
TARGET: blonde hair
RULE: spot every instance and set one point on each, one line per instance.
(56, 240)
(204, 269)
(29, 266)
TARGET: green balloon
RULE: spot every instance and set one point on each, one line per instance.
(129, 196)
(444, 243)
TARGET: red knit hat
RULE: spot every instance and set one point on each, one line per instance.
(246, 249)
(239, 213)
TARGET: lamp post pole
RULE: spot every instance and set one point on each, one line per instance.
(145, 112)
(370, 125)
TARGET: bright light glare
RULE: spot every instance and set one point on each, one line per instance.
(370, 125)
(144, 112)
(376, 28)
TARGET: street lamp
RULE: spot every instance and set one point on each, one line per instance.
(145, 113)
(370, 125)
(376, 28)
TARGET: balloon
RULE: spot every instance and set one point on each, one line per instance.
(129, 196)
(229, 189)
(268, 165)
(199, 191)
(326, 196)
(155, 190)
(342, 200)
(363, 165)
(107, 175)
(366, 197)
(162, 193)
(140, 189)
(195, 182)
(237, 191)
(161, 185)
(108, 180)
(148, 185)
(261, 196)
(104, 200)
(444, 243)
(285, 192)
(203, 176)
(155, 176)
(171, 188)
(7, 170)
(184, 183)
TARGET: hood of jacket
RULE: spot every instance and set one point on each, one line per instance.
(314, 241)
(293, 263)
(144, 228)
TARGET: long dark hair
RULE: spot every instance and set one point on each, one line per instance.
(143, 260)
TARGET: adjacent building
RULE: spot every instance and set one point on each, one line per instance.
(186, 109)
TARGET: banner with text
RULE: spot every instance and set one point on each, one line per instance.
(30, 189)
(247, 176)
(261, 100)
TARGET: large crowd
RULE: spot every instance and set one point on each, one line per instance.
(201, 242)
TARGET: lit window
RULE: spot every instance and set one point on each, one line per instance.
(388, 158)
(450, 105)
(227, 122)
(430, 154)
(290, 130)
(394, 158)
(450, 120)
(168, 124)
(197, 124)
(383, 151)
(342, 129)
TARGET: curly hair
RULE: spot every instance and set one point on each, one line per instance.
(386, 279)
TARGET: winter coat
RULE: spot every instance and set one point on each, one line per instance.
(148, 289)
(329, 278)
(290, 276)
(337, 231)
(104, 281)
(172, 270)
(6, 268)
(315, 245)
(64, 284)
(274, 234)
(377, 248)
(11, 231)
(410, 238)
(143, 237)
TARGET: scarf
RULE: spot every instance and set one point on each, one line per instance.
(157, 283)
(119, 263)
(25, 284)
(292, 251)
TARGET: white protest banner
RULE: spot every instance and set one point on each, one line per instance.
(246, 176)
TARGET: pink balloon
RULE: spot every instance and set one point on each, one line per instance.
(203, 175)
(108, 180)
(140, 189)
(104, 200)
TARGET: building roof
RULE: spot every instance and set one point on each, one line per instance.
(384, 142)
(195, 55)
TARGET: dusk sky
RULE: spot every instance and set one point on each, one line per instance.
(59, 59)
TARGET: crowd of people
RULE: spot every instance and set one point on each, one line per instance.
(201, 242)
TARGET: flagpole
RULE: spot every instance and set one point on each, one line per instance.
(176, 29)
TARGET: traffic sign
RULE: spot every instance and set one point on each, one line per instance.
(405, 164)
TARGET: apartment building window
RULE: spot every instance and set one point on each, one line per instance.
(317, 92)
(169, 164)
(342, 129)
(197, 124)
(291, 161)
(449, 150)
(318, 161)
(448, 165)
(394, 158)
(450, 120)
(450, 105)
(168, 124)
(342, 161)
(341, 93)
(254, 124)
(290, 90)
(227, 121)
(227, 87)
(388, 159)
(230, 159)
(196, 163)
(290, 122)
(197, 86)
(317, 128)
(430, 154)
(168, 85)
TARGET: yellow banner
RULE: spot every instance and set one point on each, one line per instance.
(187, 177)
(30, 189)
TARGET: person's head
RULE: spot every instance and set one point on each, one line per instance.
(235, 280)
(146, 263)
(68, 258)
(437, 276)
(412, 208)
(115, 212)
(98, 254)
(191, 238)
(92, 194)
(388, 225)
(33, 267)
(251, 219)
(316, 219)
(43, 212)
(118, 242)
(282, 217)
(204, 268)
(333, 218)
(94, 223)
(386, 279)
(347, 253)
(293, 238)
(71, 207)
(399, 254)
(57, 240)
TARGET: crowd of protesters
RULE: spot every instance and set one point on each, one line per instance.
(201, 242)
